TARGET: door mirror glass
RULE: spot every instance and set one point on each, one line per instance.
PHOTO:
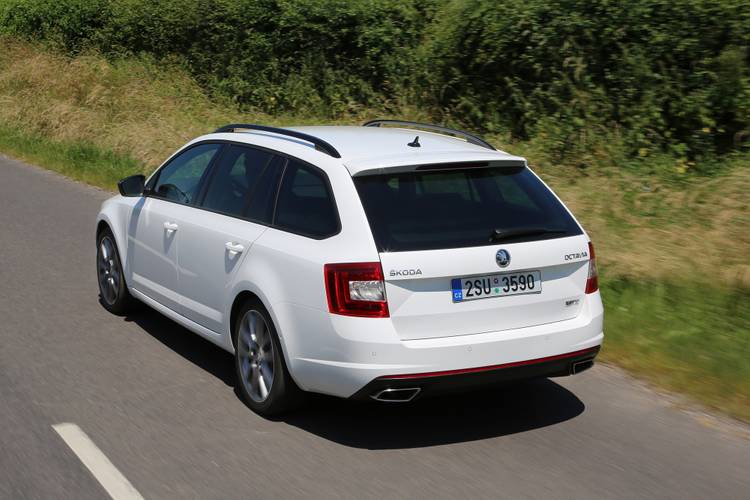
(132, 186)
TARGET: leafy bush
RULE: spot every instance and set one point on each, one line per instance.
(658, 76)
(666, 73)
(68, 23)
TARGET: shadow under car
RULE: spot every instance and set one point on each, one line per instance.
(492, 412)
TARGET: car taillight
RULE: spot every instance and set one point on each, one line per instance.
(356, 289)
(592, 283)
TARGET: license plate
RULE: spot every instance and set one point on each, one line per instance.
(496, 285)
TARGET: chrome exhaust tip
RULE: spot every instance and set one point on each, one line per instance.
(580, 366)
(401, 395)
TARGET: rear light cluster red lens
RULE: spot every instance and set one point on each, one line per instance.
(356, 289)
(592, 283)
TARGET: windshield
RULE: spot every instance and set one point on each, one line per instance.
(425, 210)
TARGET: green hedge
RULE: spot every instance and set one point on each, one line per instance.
(668, 73)
(663, 75)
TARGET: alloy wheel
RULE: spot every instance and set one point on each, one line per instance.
(255, 352)
(109, 271)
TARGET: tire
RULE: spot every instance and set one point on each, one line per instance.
(113, 292)
(259, 362)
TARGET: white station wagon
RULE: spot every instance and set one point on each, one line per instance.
(388, 262)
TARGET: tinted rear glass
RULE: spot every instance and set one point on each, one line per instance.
(459, 208)
(264, 193)
(305, 204)
(235, 177)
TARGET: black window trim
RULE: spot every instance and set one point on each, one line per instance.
(210, 174)
(278, 190)
(282, 166)
(213, 165)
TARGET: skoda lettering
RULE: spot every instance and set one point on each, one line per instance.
(405, 272)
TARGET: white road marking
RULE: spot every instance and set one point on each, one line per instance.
(97, 462)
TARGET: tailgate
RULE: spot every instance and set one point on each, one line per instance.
(420, 293)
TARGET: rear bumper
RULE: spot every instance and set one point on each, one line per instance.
(396, 387)
(348, 356)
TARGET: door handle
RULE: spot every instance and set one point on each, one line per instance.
(171, 227)
(234, 247)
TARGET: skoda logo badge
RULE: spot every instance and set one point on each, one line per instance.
(502, 257)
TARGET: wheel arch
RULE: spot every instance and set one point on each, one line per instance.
(105, 222)
(114, 216)
(244, 294)
(242, 297)
(101, 226)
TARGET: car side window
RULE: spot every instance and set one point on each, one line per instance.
(234, 178)
(179, 180)
(264, 194)
(305, 204)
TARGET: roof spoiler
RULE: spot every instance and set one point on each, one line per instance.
(427, 161)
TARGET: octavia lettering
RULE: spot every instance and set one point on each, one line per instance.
(576, 256)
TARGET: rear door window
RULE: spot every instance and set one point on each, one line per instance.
(305, 204)
(264, 194)
(234, 179)
(426, 210)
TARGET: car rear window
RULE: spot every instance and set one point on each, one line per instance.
(426, 210)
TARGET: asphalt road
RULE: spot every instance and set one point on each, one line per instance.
(159, 402)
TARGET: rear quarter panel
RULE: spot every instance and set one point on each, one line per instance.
(285, 271)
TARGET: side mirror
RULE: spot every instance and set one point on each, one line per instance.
(132, 186)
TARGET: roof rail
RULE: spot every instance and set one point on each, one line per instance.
(319, 144)
(470, 138)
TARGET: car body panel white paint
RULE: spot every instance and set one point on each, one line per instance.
(364, 351)
(336, 354)
(217, 339)
(153, 251)
(206, 267)
(422, 306)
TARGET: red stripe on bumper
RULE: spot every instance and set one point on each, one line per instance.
(493, 367)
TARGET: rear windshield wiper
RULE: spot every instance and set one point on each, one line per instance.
(506, 234)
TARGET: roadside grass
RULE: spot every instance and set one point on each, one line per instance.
(693, 338)
(75, 159)
(135, 107)
(660, 233)
(646, 228)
